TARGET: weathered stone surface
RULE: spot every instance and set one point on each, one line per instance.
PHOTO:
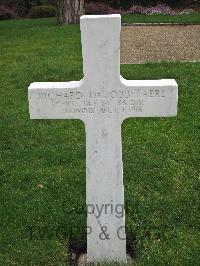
(103, 99)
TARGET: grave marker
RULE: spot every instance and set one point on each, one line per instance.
(102, 100)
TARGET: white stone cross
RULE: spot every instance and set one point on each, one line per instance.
(102, 100)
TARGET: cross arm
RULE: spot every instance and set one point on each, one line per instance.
(150, 98)
(54, 100)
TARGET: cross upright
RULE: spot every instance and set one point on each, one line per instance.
(102, 100)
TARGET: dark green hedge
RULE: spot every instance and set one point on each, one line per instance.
(43, 11)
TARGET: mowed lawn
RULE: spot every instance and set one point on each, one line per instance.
(42, 163)
(193, 18)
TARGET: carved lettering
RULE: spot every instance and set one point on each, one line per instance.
(105, 101)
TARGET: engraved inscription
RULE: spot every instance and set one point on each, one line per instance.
(102, 101)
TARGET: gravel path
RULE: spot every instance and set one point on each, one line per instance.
(141, 44)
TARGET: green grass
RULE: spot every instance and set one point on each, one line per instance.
(42, 163)
(159, 18)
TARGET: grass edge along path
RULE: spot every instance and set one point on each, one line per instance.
(193, 18)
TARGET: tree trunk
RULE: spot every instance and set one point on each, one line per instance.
(69, 11)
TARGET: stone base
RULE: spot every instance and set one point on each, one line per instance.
(82, 261)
